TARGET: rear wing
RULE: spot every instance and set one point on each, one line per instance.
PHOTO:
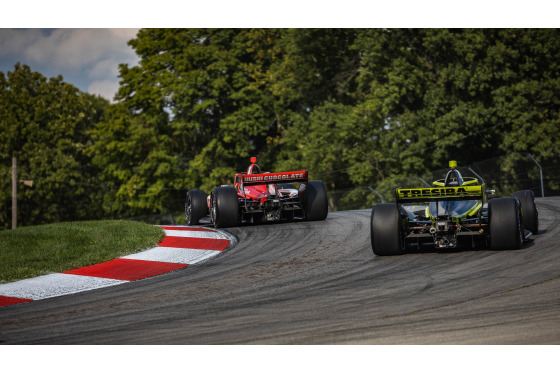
(273, 178)
(416, 195)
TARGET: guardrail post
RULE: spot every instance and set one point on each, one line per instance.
(14, 193)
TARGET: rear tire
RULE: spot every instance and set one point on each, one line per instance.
(529, 213)
(316, 206)
(195, 206)
(505, 223)
(225, 207)
(386, 230)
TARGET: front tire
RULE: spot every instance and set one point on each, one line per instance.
(317, 205)
(195, 206)
(530, 215)
(385, 230)
(505, 223)
(225, 207)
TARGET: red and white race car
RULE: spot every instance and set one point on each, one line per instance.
(260, 197)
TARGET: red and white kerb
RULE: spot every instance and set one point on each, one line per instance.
(181, 247)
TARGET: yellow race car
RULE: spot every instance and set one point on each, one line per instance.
(454, 212)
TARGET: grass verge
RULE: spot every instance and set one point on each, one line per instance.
(38, 250)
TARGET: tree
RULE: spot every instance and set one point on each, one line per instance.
(44, 124)
(418, 98)
(358, 108)
(316, 83)
(468, 94)
(189, 116)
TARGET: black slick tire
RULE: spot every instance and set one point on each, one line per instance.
(195, 206)
(529, 214)
(505, 223)
(224, 207)
(316, 205)
(386, 230)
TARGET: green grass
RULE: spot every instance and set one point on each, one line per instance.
(38, 250)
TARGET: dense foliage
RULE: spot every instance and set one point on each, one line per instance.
(357, 108)
(45, 124)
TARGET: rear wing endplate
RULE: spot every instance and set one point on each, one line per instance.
(273, 178)
(411, 195)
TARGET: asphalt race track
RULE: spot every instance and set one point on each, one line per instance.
(318, 283)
